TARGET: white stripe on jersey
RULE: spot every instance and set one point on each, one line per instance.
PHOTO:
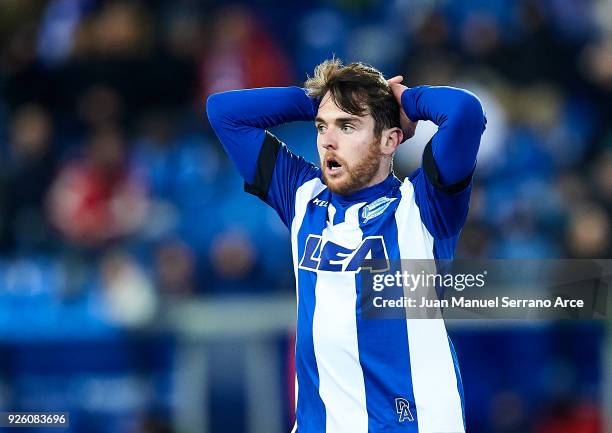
(303, 195)
(434, 382)
(334, 329)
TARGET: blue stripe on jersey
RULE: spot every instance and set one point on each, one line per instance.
(444, 249)
(383, 351)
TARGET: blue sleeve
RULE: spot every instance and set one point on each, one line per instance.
(443, 183)
(270, 170)
(461, 122)
(279, 174)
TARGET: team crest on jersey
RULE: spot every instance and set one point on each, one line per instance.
(376, 208)
(402, 407)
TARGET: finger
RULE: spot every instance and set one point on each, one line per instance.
(395, 80)
(397, 89)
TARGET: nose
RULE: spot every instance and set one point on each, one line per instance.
(328, 140)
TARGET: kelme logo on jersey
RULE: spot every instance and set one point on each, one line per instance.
(334, 257)
(402, 407)
(318, 202)
(376, 208)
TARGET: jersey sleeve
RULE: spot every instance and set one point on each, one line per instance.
(240, 119)
(278, 175)
(443, 208)
(443, 183)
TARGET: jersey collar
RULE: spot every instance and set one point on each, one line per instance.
(371, 192)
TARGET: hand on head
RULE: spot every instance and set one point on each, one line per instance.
(408, 126)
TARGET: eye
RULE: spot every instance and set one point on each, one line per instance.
(320, 128)
(347, 128)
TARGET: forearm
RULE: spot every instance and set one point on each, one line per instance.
(461, 122)
(240, 118)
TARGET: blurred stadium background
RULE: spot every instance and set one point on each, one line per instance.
(142, 291)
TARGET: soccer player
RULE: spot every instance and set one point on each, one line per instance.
(355, 375)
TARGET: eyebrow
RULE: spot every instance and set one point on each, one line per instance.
(340, 120)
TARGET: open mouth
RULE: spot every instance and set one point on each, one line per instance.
(332, 165)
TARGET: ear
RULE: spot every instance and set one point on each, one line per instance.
(391, 139)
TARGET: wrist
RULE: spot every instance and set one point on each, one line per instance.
(314, 103)
(409, 100)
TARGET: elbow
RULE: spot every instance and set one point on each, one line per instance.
(471, 112)
(214, 108)
(220, 109)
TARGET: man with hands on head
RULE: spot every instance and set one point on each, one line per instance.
(356, 375)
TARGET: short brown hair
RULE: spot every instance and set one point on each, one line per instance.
(358, 89)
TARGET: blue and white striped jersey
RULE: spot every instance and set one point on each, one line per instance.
(356, 375)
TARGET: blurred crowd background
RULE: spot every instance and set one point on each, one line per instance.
(116, 199)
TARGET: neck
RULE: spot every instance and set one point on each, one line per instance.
(384, 170)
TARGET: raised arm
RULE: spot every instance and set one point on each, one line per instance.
(461, 122)
(240, 118)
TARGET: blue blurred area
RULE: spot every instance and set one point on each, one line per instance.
(116, 199)
(517, 379)
(103, 383)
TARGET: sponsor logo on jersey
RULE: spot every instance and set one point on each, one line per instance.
(376, 208)
(334, 257)
(321, 203)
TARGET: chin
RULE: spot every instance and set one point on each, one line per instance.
(343, 185)
(338, 188)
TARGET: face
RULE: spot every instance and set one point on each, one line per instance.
(351, 156)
